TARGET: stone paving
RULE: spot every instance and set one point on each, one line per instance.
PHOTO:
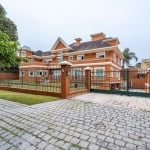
(75, 124)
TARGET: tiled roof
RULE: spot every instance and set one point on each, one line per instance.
(83, 46)
(42, 53)
(89, 45)
(25, 47)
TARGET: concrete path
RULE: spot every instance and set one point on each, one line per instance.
(75, 124)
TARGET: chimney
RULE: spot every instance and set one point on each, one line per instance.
(97, 36)
(78, 41)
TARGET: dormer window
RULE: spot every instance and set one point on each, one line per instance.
(100, 55)
(80, 57)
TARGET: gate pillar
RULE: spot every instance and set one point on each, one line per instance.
(65, 82)
(88, 78)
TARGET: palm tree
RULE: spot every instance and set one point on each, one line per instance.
(128, 56)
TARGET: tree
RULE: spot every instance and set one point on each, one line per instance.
(128, 56)
(8, 52)
(2, 11)
(138, 65)
(7, 25)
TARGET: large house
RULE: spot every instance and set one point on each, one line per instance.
(101, 54)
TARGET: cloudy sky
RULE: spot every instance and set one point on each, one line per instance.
(41, 22)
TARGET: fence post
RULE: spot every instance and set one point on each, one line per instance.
(88, 78)
(127, 81)
(148, 82)
(65, 82)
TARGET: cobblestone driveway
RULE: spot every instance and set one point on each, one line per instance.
(75, 124)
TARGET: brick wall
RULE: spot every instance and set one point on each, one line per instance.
(9, 76)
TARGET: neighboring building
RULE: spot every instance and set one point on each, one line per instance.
(101, 54)
(146, 66)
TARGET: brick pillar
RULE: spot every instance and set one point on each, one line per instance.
(148, 81)
(65, 82)
(88, 78)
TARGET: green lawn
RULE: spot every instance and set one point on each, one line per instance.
(23, 98)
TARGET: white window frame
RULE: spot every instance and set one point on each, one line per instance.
(21, 73)
(59, 53)
(59, 59)
(78, 76)
(56, 72)
(23, 53)
(100, 55)
(80, 57)
(39, 75)
(70, 58)
(98, 68)
(31, 75)
(45, 73)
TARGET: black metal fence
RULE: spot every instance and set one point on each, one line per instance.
(77, 80)
(127, 82)
(40, 80)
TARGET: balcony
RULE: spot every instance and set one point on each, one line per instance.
(38, 64)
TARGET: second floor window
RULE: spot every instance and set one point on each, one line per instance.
(70, 58)
(23, 54)
(80, 57)
(100, 55)
(59, 59)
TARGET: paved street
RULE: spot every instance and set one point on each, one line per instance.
(111, 122)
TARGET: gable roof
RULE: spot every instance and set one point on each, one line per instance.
(62, 41)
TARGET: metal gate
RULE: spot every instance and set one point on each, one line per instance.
(77, 80)
(126, 82)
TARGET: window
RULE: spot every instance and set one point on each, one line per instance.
(39, 73)
(60, 53)
(80, 57)
(100, 55)
(47, 60)
(70, 58)
(99, 72)
(21, 73)
(59, 59)
(45, 73)
(31, 73)
(23, 54)
(114, 57)
(55, 72)
(77, 73)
